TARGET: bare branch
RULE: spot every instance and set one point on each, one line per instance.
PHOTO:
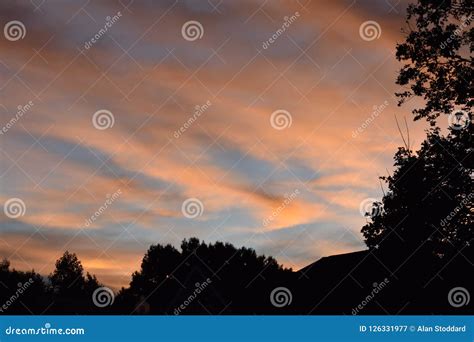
(401, 134)
(408, 133)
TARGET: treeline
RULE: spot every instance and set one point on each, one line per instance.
(31, 293)
(200, 278)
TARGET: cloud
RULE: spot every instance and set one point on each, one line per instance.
(229, 157)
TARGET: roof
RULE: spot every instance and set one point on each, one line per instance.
(341, 262)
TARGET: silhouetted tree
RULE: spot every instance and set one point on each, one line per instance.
(236, 279)
(21, 292)
(438, 56)
(430, 198)
(68, 278)
(91, 283)
(429, 204)
(72, 292)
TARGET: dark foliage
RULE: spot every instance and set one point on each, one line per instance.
(429, 204)
(438, 57)
(221, 279)
(71, 291)
(65, 291)
(21, 292)
(237, 280)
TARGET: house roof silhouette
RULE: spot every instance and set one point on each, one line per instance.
(340, 262)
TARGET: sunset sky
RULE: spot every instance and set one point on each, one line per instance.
(290, 191)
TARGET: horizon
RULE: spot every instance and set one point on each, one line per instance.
(232, 135)
(46, 278)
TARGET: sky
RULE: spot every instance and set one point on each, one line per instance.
(261, 123)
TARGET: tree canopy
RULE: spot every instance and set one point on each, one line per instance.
(168, 277)
(430, 198)
(429, 205)
(69, 286)
(437, 53)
